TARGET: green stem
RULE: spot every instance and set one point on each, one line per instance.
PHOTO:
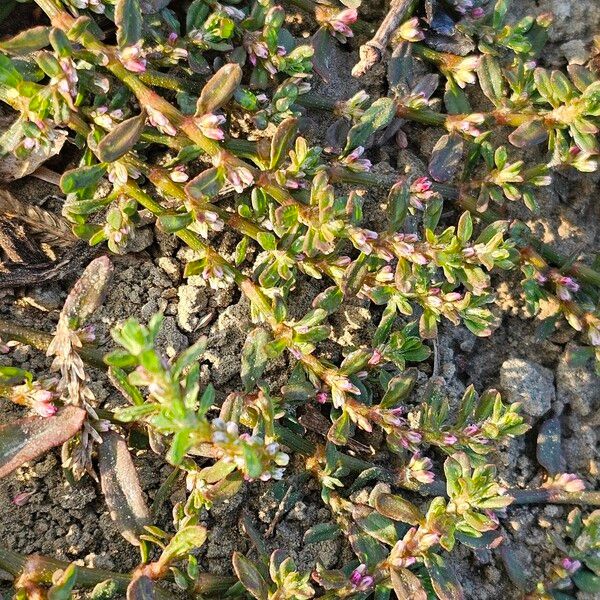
(519, 231)
(550, 496)
(170, 82)
(41, 341)
(44, 567)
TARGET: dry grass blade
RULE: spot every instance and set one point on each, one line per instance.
(38, 219)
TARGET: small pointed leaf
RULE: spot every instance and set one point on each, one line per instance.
(219, 89)
(121, 139)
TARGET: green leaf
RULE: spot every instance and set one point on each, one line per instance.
(398, 509)
(464, 231)
(30, 438)
(183, 542)
(432, 213)
(399, 388)
(27, 41)
(189, 356)
(206, 185)
(219, 89)
(267, 240)
(121, 488)
(105, 590)
(118, 378)
(456, 100)
(254, 357)
(137, 412)
(282, 141)
(128, 19)
(491, 80)
(586, 581)
(9, 76)
(62, 588)
(82, 177)
(379, 115)
(121, 139)
(375, 524)
(250, 577)
(397, 205)
(321, 533)
(196, 15)
(172, 223)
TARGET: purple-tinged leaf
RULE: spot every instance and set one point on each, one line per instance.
(528, 134)
(399, 509)
(250, 577)
(88, 292)
(407, 585)
(336, 134)
(515, 567)
(324, 47)
(206, 185)
(549, 451)
(443, 580)
(128, 19)
(219, 89)
(486, 541)
(141, 588)
(490, 79)
(121, 488)
(446, 157)
(121, 139)
(282, 141)
(30, 438)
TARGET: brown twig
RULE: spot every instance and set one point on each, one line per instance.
(372, 52)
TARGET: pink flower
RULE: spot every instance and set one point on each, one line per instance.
(353, 162)
(340, 23)
(322, 397)
(450, 439)
(158, 120)
(410, 30)
(21, 498)
(421, 185)
(477, 12)
(209, 125)
(570, 565)
(471, 430)
(569, 482)
(133, 59)
(44, 409)
(179, 175)
(359, 580)
(375, 359)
